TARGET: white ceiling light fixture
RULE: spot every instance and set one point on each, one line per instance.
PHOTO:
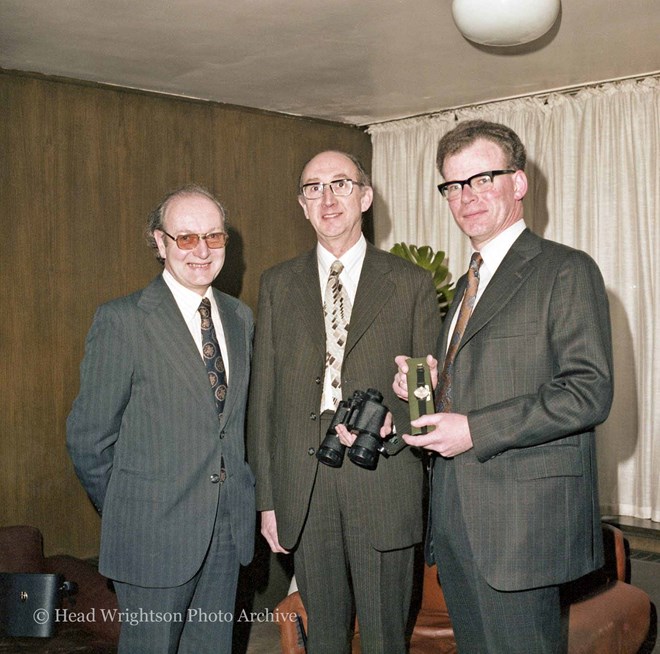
(504, 22)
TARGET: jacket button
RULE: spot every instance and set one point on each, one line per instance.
(312, 416)
(311, 451)
(318, 380)
(222, 434)
(215, 479)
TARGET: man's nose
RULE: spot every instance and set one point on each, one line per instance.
(467, 194)
(328, 195)
(202, 249)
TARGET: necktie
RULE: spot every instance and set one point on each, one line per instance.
(215, 366)
(337, 312)
(445, 391)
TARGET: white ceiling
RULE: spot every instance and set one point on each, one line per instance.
(354, 62)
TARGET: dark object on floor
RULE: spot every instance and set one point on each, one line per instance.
(29, 602)
(86, 622)
(607, 615)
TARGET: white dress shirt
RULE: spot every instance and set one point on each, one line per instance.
(188, 302)
(493, 254)
(349, 278)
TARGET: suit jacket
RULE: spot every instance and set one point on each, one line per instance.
(145, 439)
(395, 312)
(533, 374)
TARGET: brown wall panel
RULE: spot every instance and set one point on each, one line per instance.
(80, 168)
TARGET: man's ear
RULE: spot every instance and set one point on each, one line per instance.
(303, 204)
(367, 197)
(159, 237)
(520, 184)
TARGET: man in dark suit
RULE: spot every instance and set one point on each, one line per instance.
(157, 438)
(352, 529)
(514, 501)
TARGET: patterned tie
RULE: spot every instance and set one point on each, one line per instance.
(337, 312)
(445, 398)
(215, 366)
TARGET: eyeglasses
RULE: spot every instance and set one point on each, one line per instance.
(340, 187)
(214, 240)
(479, 183)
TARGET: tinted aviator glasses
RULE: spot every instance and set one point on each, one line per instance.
(214, 240)
(340, 187)
(479, 183)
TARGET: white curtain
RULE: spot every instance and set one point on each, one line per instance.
(594, 185)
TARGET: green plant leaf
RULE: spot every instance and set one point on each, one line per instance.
(434, 262)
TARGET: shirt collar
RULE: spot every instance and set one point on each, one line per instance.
(352, 259)
(494, 251)
(188, 301)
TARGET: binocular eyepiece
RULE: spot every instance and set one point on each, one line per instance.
(365, 414)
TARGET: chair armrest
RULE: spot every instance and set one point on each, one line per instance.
(291, 619)
(616, 553)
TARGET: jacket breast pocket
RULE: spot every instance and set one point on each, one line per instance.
(513, 328)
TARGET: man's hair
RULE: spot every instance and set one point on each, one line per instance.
(157, 216)
(362, 176)
(466, 133)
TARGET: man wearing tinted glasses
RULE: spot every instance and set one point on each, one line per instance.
(526, 374)
(351, 529)
(156, 437)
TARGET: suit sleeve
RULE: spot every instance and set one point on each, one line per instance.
(105, 388)
(262, 391)
(426, 321)
(578, 394)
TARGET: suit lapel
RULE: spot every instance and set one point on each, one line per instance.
(509, 277)
(374, 290)
(306, 302)
(234, 331)
(171, 336)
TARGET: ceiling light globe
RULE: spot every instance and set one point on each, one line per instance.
(504, 22)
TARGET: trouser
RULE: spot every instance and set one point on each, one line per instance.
(194, 618)
(486, 620)
(335, 564)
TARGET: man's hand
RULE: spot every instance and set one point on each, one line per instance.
(347, 437)
(400, 384)
(269, 531)
(449, 437)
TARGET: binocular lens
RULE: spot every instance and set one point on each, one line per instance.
(331, 456)
(364, 452)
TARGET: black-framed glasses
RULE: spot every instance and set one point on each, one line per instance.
(340, 187)
(479, 183)
(214, 240)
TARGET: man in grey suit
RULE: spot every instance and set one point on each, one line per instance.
(156, 436)
(352, 529)
(514, 501)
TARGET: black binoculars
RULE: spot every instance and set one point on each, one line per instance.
(364, 414)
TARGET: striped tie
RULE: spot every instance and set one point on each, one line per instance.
(445, 399)
(337, 312)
